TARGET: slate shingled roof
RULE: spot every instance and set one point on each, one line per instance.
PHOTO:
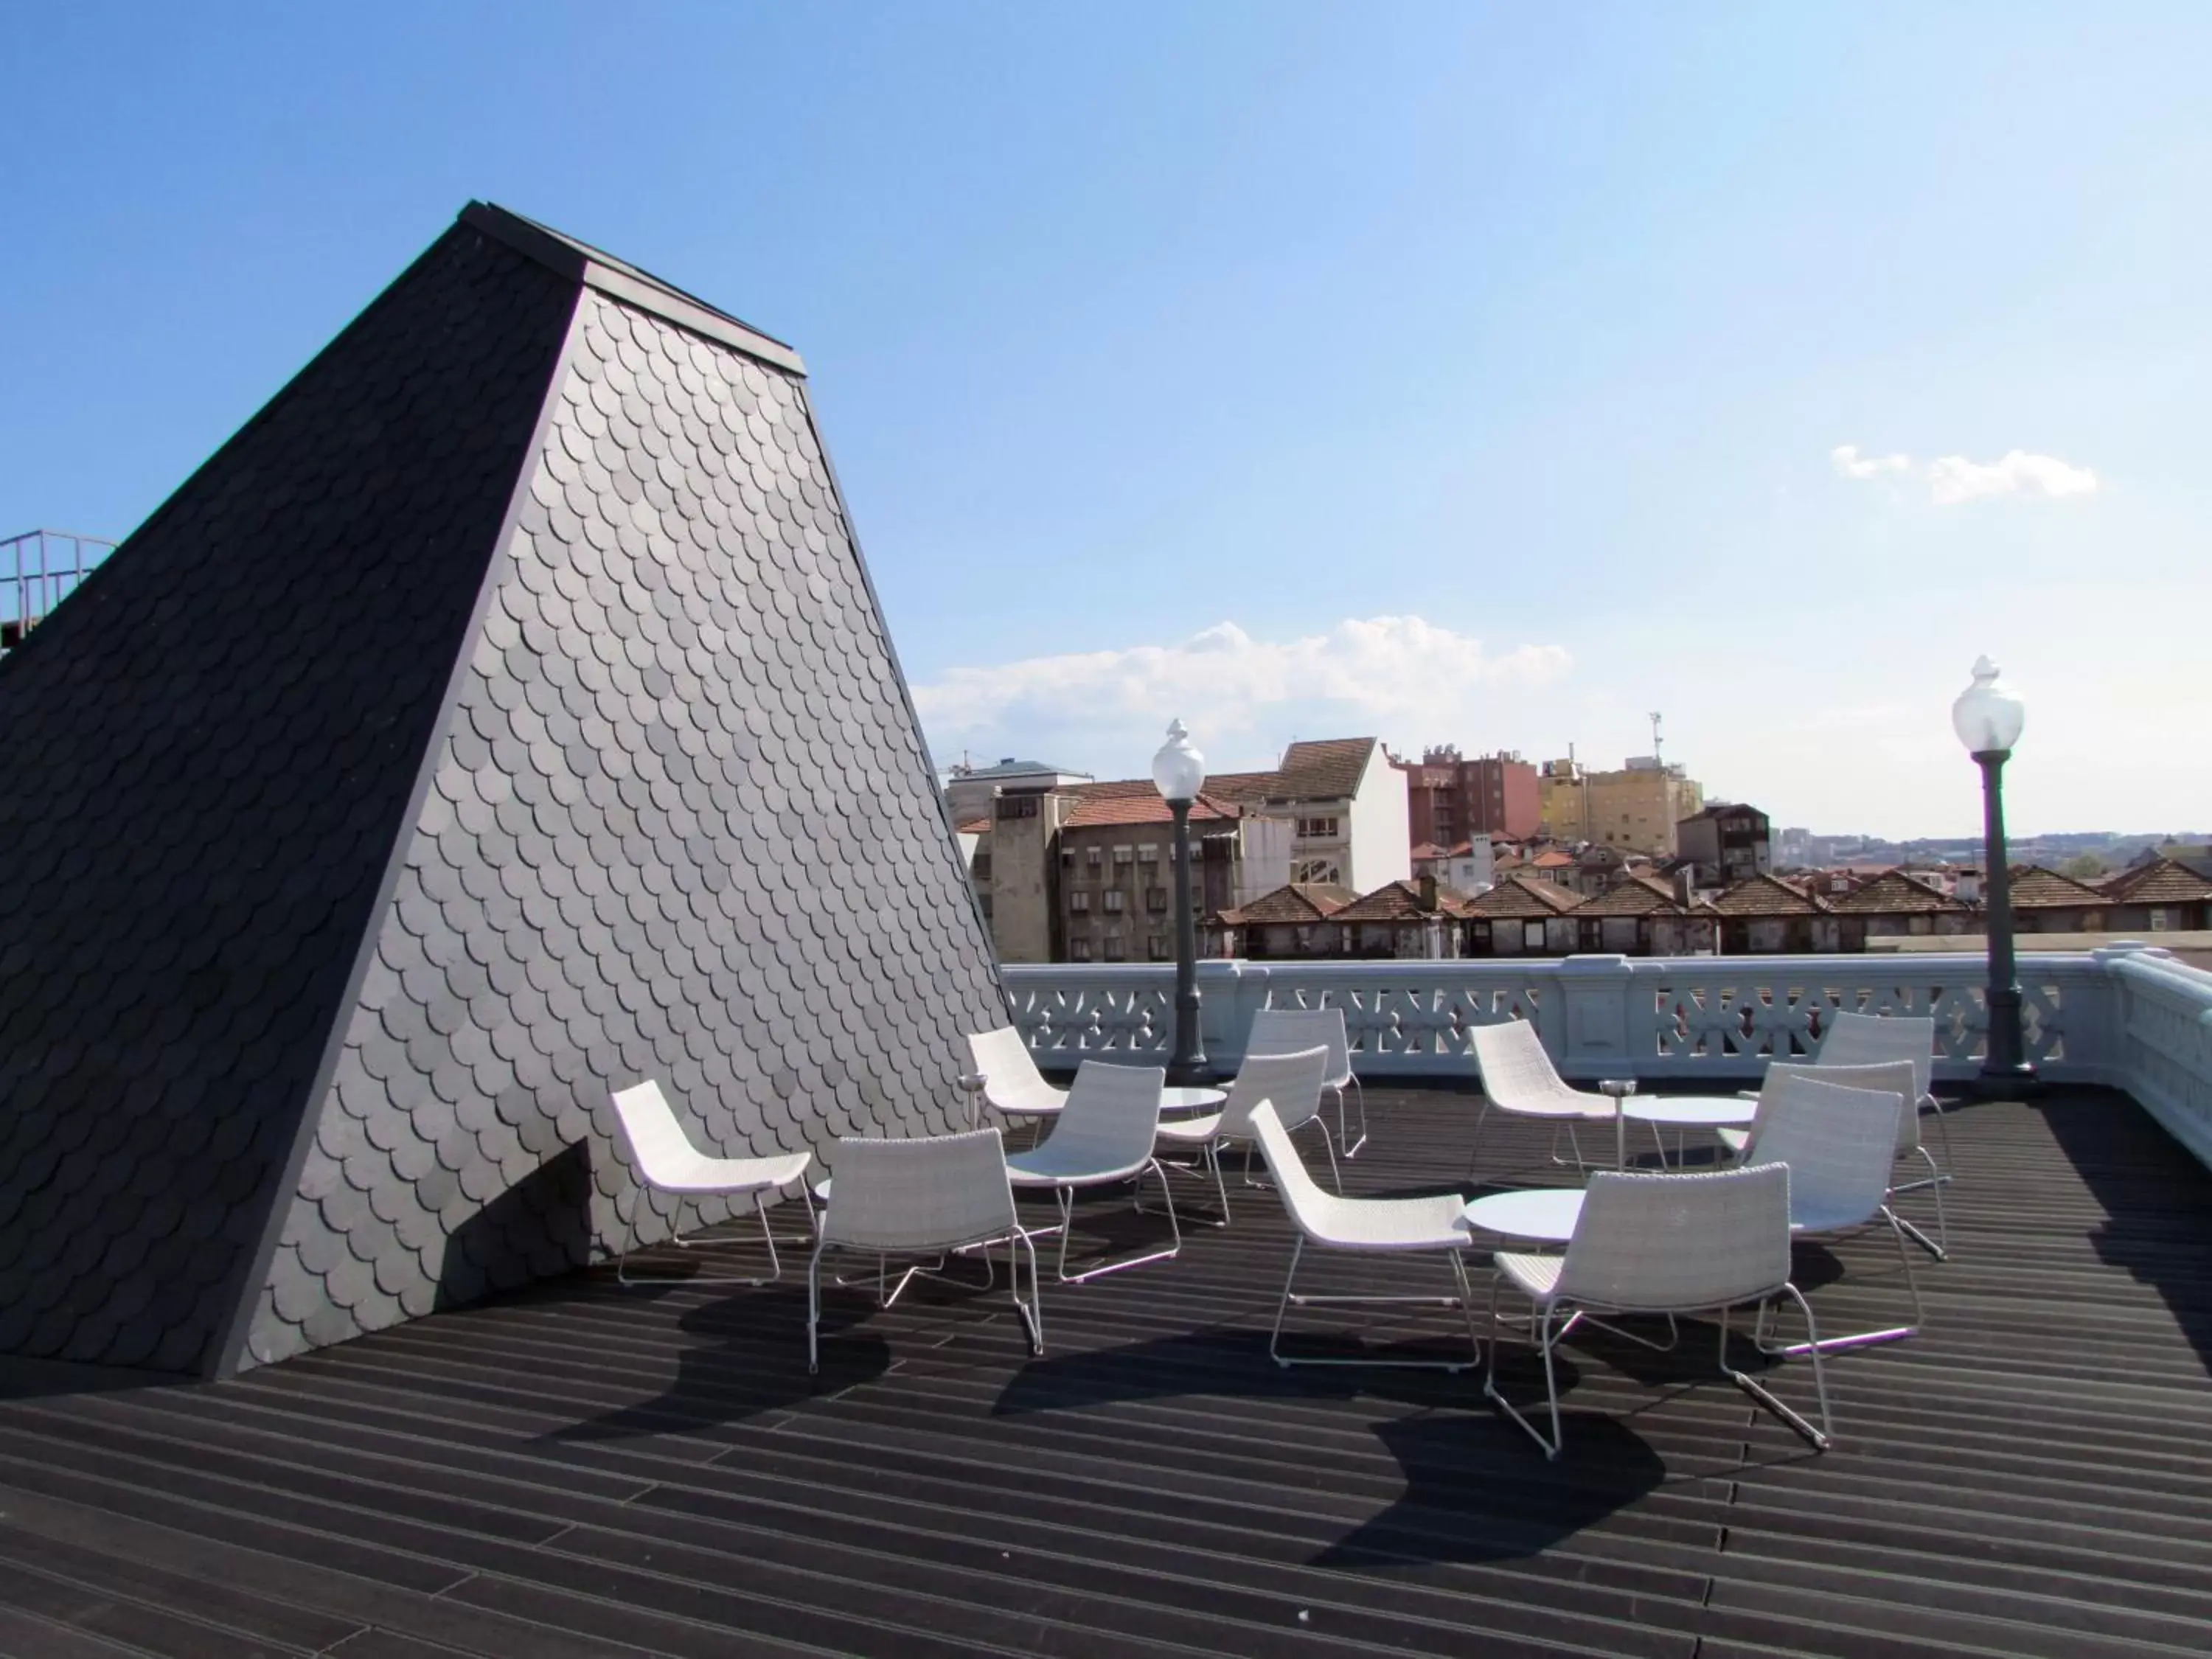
(504, 715)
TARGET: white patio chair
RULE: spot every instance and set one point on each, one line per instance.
(1012, 1086)
(1866, 1039)
(666, 1161)
(1293, 1031)
(1292, 1083)
(1839, 1145)
(1662, 1243)
(1518, 1077)
(1431, 1226)
(1895, 1077)
(1105, 1134)
(927, 1196)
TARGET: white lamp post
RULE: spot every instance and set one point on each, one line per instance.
(1988, 719)
(1179, 773)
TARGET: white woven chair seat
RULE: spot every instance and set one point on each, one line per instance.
(1735, 1139)
(1537, 1276)
(1011, 1084)
(697, 1173)
(1191, 1131)
(1049, 1166)
(1385, 1223)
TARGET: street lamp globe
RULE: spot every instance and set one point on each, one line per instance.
(1178, 770)
(1988, 717)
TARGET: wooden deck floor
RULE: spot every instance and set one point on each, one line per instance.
(582, 1471)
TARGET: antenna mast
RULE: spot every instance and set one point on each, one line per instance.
(1655, 761)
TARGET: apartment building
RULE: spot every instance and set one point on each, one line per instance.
(1451, 799)
(1637, 807)
(1346, 805)
(1469, 867)
(1724, 844)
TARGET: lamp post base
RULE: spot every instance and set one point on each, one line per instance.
(2016, 1081)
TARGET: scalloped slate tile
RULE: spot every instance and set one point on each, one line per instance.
(674, 818)
(574, 835)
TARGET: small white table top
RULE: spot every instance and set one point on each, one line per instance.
(1545, 1213)
(1191, 1100)
(1691, 1111)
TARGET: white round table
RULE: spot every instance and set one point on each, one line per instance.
(1542, 1212)
(1681, 1112)
(1180, 1101)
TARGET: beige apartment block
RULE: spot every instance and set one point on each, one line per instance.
(1635, 808)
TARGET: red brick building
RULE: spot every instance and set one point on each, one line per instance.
(1449, 798)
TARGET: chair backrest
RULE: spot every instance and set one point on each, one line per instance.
(1112, 1115)
(1291, 1031)
(1838, 1143)
(1011, 1080)
(1682, 1242)
(657, 1141)
(1292, 1082)
(1310, 1208)
(1515, 1070)
(927, 1193)
(1863, 1039)
(1889, 1077)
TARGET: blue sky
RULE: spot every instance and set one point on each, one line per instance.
(1455, 373)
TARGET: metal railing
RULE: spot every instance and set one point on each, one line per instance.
(39, 569)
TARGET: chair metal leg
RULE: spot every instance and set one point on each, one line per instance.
(814, 1308)
(1464, 1301)
(1819, 1438)
(623, 1276)
(1545, 1338)
(1864, 1339)
(1352, 1149)
(1032, 1312)
(1066, 1196)
(1481, 1118)
(1940, 1246)
(1335, 1170)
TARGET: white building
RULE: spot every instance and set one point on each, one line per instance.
(1346, 807)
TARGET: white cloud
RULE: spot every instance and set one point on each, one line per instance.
(1952, 479)
(1243, 697)
(1851, 464)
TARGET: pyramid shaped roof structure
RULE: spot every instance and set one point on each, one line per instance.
(502, 716)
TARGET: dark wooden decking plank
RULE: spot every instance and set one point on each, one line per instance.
(578, 1468)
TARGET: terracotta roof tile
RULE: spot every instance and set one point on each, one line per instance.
(1325, 770)
(1766, 896)
(1517, 896)
(1637, 895)
(2034, 887)
(1897, 894)
(976, 827)
(2166, 882)
(1138, 802)
(1299, 903)
(1400, 901)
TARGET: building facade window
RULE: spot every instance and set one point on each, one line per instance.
(1317, 829)
(1149, 853)
(1115, 899)
(1018, 807)
(1156, 899)
(1124, 854)
(1532, 935)
(1079, 903)
(1079, 950)
(982, 867)
(1156, 947)
(1115, 951)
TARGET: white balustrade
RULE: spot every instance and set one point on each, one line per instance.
(2136, 1019)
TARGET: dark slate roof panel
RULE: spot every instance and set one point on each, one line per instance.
(212, 747)
(733, 874)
